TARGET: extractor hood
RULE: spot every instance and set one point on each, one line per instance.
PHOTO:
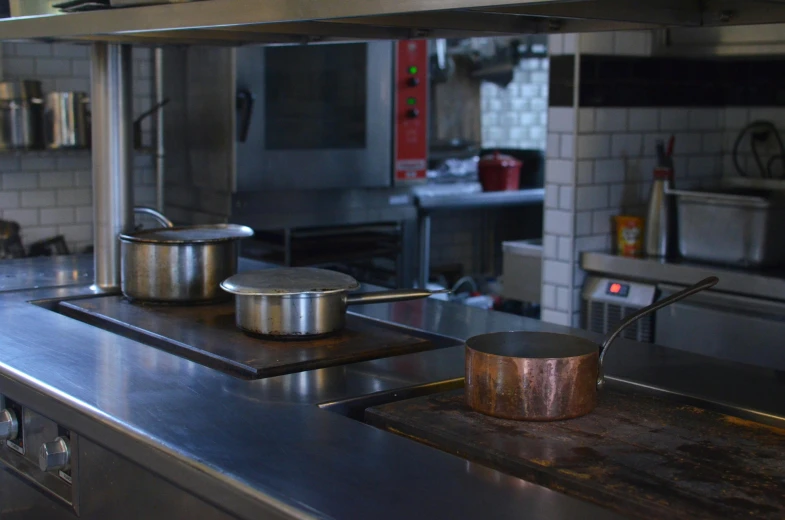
(237, 22)
(750, 40)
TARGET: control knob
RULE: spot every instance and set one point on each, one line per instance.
(9, 426)
(412, 113)
(413, 82)
(55, 455)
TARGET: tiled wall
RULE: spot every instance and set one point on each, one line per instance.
(49, 192)
(516, 116)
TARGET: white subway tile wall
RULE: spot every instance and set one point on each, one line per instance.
(516, 116)
(49, 193)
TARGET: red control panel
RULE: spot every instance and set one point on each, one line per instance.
(411, 111)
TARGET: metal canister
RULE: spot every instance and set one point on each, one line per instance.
(21, 115)
(66, 124)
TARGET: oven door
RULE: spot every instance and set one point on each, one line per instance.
(724, 326)
(322, 116)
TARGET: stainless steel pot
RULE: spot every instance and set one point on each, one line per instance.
(301, 302)
(179, 264)
(542, 376)
(66, 121)
(21, 115)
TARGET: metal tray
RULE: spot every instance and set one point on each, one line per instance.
(732, 226)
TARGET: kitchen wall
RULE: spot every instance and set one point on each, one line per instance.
(49, 192)
(516, 116)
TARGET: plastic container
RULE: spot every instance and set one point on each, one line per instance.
(629, 235)
(499, 172)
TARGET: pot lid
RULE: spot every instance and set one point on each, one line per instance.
(499, 159)
(189, 234)
(288, 281)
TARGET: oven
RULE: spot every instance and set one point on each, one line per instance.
(342, 115)
(721, 325)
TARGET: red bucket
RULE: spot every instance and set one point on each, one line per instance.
(500, 172)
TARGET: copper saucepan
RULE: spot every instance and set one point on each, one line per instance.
(542, 376)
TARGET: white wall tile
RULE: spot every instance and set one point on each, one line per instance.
(19, 181)
(35, 163)
(561, 119)
(704, 167)
(585, 168)
(586, 120)
(592, 243)
(674, 119)
(56, 180)
(556, 272)
(602, 221)
(712, 142)
(608, 170)
(52, 67)
(582, 223)
(552, 196)
(77, 231)
(687, 144)
(563, 299)
(736, 118)
(566, 196)
(643, 119)
(565, 249)
(23, 217)
(610, 120)
(57, 216)
(555, 44)
(570, 43)
(548, 296)
(31, 235)
(626, 145)
(591, 197)
(33, 49)
(552, 147)
(594, 146)
(74, 197)
(704, 118)
(559, 171)
(9, 199)
(616, 195)
(550, 246)
(38, 198)
(567, 145)
(558, 222)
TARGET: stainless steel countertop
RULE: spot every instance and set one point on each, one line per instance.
(765, 283)
(45, 271)
(265, 447)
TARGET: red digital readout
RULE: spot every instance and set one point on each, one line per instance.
(615, 288)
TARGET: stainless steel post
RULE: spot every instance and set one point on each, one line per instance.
(112, 162)
(158, 58)
(425, 249)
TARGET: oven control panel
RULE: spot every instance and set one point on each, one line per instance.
(411, 111)
(39, 451)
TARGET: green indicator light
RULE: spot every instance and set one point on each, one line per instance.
(413, 69)
(411, 101)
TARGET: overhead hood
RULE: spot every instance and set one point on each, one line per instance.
(236, 22)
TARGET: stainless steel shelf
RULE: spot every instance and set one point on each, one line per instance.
(235, 22)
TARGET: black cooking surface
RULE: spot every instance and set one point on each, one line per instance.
(207, 334)
(642, 456)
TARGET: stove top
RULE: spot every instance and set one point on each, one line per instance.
(207, 335)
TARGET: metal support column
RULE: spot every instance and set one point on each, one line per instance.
(425, 249)
(112, 157)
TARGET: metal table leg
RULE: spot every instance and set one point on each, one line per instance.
(425, 249)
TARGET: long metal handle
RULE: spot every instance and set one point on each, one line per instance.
(632, 318)
(397, 295)
(165, 222)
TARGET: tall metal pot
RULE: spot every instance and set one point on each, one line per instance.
(66, 120)
(21, 115)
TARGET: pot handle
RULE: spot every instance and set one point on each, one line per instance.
(397, 295)
(143, 210)
(632, 318)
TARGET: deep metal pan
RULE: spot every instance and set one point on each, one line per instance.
(541, 376)
(301, 302)
(179, 264)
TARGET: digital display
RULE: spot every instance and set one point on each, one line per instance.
(618, 289)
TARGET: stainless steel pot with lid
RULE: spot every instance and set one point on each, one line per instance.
(179, 264)
(301, 301)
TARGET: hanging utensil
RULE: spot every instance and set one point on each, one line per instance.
(542, 376)
(302, 302)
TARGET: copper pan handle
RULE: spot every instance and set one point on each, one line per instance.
(632, 318)
(397, 295)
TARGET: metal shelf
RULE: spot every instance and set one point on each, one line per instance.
(236, 22)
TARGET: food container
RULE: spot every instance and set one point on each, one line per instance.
(499, 172)
(734, 226)
(629, 235)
